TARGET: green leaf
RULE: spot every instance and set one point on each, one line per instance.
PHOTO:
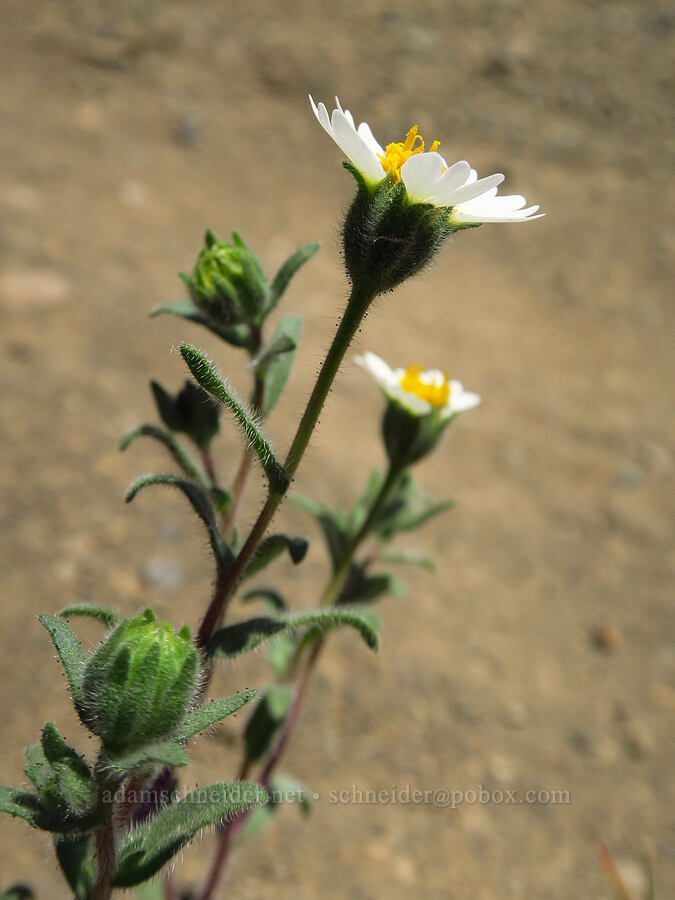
(265, 721)
(69, 650)
(408, 559)
(238, 335)
(202, 506)
(336, 531)
(287, 270)
(147, 848)
(275, 367)
(17, 892)
(275, 602)
(233, 640)
(359, 587)
(256, 821)
(151, 890)
(272, 547)
(191, 411)
(78, 864)
(407, 508)
(72, 775)
(102, 614)
(24, 805)
(162, 753)
(210, 380)
(210, 713)
(286, 789)
(281, 651)
(187, 463)
(328, 619)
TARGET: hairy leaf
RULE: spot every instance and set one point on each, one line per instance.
(187, 463)
(265, 721)
(69, 650)
(101, 613)
(272, 598)
(286, 789)
(78, 864)
(238, 335)
(24, 805)
(202, 506)
(275, 368)
(287, 270)
(328, 619)
(210, 713)
(147, 848)
(162, 753)
(17, 892)
(359, 587)
(273, 546)
(210, 380)
(233, 640)
(408, 559)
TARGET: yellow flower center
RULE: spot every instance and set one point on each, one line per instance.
(396, 154)
(412, 382)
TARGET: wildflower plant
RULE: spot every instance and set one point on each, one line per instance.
(116, 819)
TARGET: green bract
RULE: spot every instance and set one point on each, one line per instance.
(228, 283)
(139, 684)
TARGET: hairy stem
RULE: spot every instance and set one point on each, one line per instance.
(352, 318)
(104, 845)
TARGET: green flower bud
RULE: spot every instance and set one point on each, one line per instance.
(139, 684)
(191, 411)
(386, 238)
(228, 283)
(409, 437)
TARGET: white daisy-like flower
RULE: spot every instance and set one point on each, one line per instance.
(421, 393)
(426, 175)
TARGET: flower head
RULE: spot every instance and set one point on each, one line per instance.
(420, 406)
(421, 393)
(427, 177)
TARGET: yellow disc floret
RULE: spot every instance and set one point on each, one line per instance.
(432, 387)
(396, 154)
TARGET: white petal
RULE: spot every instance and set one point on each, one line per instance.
(474, 189)
(355, 148)
(518, 215)
(461, 400)
(322, 115)
(369, 138)
(376, 367)
(412, 402)
(420, 174)
(454, 177)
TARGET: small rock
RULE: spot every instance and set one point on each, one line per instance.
(33, 288)
(160, 572)
(605, 637)
(638, 739)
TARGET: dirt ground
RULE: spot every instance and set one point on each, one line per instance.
(541, 655)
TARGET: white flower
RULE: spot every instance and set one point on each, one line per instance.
(426, 175)
(421, 393)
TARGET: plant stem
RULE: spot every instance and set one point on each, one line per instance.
(352, 318)
(104, 844)
(231, 828)
(336, 583)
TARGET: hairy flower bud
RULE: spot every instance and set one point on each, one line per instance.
(386, 238)
(228, 283)
(139, 684)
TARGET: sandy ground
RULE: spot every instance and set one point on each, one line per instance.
(129, 127)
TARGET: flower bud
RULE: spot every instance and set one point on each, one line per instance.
(386, 238)
(228, 283)
(139, 684)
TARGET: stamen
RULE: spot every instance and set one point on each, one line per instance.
(436, 394)
(397, 153)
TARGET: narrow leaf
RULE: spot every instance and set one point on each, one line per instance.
(272, 547)
(69, 650)
(237, 335)
(278, 343)
(24, 805)
(184, 459)
(287, 271)
(78, 864)
(210, 713)
(360, 587)
(234, 640)
(329, 619)
(265, 721)
(145, 850)
(162, 753)
(18, 892)
(286, 789)
(208, 378)
(272, 598)
(275, 369)
(408, 559)
(202, 506)
(101, 613)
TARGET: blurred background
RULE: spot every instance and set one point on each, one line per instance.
(540, 655)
